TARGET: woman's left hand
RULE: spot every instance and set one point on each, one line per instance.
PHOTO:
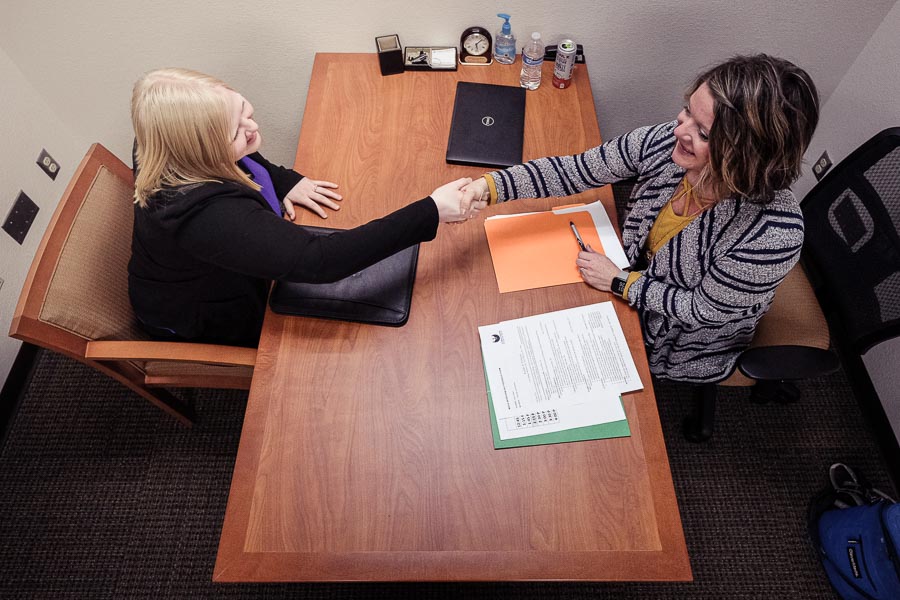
(312, 194)
(596, 269)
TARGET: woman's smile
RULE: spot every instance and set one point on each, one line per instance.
(682, 149)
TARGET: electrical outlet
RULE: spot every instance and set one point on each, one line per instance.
(48, 164)
(20, 217)
(822, 165)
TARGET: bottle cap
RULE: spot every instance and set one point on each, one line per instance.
(536, 35)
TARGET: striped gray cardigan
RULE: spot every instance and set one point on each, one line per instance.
(702, 294)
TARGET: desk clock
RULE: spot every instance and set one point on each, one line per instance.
(475, 47)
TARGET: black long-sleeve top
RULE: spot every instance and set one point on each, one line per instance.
(202, 256)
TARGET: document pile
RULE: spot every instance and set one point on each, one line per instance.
(557, 377)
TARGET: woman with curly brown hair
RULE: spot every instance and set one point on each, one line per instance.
(712, 226)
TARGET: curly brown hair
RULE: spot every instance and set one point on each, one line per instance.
(766, 110)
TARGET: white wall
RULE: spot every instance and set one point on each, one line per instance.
(27, 125)
(76, 60)
(83, 56)
(866, 101)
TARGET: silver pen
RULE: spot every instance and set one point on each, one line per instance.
(577, 236)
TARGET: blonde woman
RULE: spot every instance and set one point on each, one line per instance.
(712, 226)
(209, 232)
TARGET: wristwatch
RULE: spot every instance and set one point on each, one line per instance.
(617, 286)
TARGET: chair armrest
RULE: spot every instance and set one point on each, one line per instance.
(785, 363)
(172, 351)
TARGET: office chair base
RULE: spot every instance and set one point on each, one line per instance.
(698, 425)
(781, 392)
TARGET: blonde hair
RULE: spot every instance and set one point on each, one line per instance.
(183, 134)
(766, 110)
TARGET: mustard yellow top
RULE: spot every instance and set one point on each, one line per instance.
(667, 226)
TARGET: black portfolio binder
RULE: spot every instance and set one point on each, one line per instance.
(488, 125)
(380, 294)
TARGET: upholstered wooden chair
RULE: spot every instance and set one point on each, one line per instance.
(75, 299)
(791, 343)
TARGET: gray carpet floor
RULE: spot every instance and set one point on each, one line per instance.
(104, 496)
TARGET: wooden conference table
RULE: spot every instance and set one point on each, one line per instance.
(366, 452)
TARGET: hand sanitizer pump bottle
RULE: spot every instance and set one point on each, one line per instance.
(505, 43)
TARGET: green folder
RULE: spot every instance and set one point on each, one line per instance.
(602, 431)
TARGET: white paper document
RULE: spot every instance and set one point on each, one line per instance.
(558, 370)
(612, 247)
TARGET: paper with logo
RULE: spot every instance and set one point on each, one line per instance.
(538, 249)
(557, 371)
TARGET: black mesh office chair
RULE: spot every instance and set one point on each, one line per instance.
(852, 247)
(852, 256)
(852, 252)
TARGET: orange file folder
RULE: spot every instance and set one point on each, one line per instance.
(538, 249)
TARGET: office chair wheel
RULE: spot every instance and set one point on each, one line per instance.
(781, 392)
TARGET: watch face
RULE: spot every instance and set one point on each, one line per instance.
(476, 44)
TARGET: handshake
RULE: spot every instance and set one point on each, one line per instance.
(460, 200)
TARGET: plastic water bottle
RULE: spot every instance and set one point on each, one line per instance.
(505, 43)
(532, 61)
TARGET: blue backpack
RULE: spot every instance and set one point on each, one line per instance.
(856, 531)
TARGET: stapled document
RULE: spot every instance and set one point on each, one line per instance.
(557, 371)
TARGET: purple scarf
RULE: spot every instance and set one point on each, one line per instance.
(261, 177)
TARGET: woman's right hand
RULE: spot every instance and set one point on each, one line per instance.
(480, 187)
(596, 269)
(454, 203)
